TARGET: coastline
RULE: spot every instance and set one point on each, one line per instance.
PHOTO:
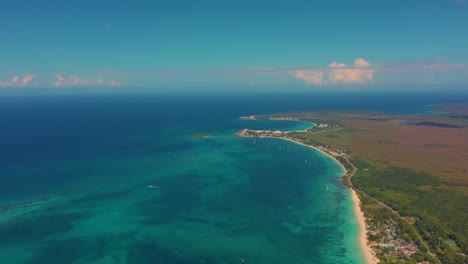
(366, 250)
(369, 255)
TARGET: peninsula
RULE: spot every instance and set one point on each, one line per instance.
(409, 183)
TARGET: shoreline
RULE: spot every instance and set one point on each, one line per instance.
(367, 252)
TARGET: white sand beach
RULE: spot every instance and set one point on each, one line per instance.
(368, 253)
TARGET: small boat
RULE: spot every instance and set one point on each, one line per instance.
(152, 186)
(326, 186)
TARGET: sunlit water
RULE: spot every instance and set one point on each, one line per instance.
(75, 176)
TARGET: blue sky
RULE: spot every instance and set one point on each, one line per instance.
(159, 44)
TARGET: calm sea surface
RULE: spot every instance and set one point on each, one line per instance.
(75, 170)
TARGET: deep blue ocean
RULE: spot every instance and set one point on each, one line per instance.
(75, 170)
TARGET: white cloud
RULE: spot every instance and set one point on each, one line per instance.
(73, 81)
(17, 81)
(336, 65)
(361, 63)
(59, 80)
(357, 74)
(311, 76)
(349, 75)
(338, 72)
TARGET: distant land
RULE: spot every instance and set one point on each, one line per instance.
(410, 172)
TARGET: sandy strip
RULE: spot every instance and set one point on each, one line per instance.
(368, 253)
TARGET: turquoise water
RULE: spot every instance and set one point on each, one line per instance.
(83, 197)
(219, 199)
(75, 171)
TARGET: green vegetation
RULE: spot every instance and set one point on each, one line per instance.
(336, 135)
(303, 136)
(436, 213)
(380, 220)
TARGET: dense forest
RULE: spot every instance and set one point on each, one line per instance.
(439, 215)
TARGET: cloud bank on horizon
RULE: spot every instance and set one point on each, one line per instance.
(73, 81)
(28, 80)
(339, 73)
(361, 72)
(17, 81)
